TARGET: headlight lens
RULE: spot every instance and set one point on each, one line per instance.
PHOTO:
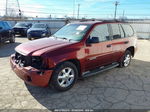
(37, 62)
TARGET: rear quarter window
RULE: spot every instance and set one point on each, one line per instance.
(128, 30)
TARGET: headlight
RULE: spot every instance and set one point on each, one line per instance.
(28, 31)
(37, 62)
(44, 31)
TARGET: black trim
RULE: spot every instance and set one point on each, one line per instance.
(100, 69)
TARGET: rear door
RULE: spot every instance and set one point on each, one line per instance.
(99, 54)
(118, 41)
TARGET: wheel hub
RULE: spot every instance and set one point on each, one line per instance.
(66, 77)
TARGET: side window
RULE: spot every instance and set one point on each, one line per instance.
(2, 25)
(6, 25)
(116, 31)
(101, 31)
(128, 30)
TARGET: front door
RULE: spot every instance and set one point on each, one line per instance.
(99, 54)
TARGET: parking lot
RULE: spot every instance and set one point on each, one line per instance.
(119, 88)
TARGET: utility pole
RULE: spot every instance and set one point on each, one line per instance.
(116, 5)
(6, 8)
(74, 2)
(123, 14)
(78, 11)
(13, 8)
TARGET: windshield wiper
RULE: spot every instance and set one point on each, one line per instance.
(64, 38)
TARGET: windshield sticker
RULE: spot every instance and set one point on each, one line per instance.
(77, 33)
(81, 27)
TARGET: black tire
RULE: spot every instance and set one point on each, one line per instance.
(12, 39)
(29, 38)
(125, 56)
(55, 81)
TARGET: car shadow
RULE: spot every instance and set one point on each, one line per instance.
(89, 92)
(6, 49)
(20, 36)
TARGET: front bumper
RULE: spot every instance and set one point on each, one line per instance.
(21, 31)
(37, 35)
(31, 75)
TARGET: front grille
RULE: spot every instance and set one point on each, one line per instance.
(24, 61)
(36, 32)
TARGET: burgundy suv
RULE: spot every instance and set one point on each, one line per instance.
(75, 51)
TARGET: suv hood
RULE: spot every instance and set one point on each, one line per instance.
(20, 27)
(40, 46)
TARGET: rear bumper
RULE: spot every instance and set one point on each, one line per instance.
(31, 75)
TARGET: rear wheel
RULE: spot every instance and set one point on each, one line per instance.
(64, 76)
(12, 39)
(126, 59)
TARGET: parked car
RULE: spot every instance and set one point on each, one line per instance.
(38, 30)
(21, 28)
(75, 51)
(6, 33)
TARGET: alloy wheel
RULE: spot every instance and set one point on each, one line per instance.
(66, 77)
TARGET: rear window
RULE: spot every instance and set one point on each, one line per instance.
(128, 30)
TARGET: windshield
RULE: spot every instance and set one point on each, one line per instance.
(72, 31)
(22, 24)
(39, 26)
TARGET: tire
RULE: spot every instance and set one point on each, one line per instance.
(29, 38)
(62, 79)
(12, 39)
(126, 59)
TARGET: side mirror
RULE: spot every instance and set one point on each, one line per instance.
(93, 40)
(1, 28)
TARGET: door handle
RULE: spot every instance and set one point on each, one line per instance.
(108, 45)
(126, 42)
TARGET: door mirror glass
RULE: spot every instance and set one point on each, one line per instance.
(93, 40)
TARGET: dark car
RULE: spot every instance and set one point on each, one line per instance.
(38, 30)
(21, 28)
(75, 51)
(6, 33)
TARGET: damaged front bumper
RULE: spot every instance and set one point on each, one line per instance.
(31, 75)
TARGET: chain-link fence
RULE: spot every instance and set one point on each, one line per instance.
(141, 27)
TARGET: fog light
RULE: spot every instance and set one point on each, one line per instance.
(44, 34)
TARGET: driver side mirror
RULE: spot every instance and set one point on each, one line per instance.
(1, 28)
(93, 40)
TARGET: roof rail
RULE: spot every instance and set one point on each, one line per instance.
(114, 21)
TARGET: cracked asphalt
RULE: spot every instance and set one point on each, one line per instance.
(119, 88)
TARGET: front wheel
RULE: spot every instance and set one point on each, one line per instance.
(64, 76)
(126, 59)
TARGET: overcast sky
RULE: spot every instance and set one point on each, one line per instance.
(88, 8)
